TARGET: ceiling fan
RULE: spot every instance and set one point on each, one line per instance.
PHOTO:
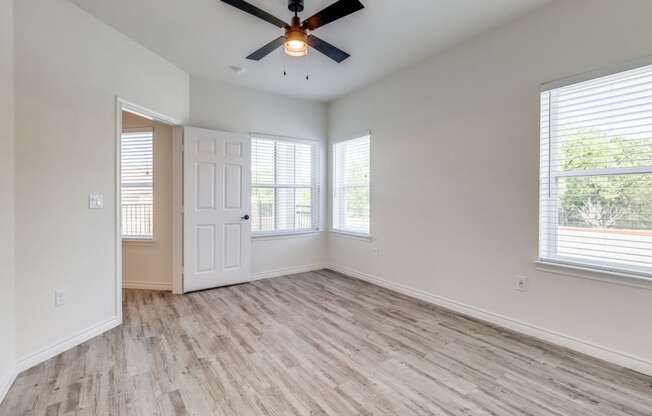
(297, 35)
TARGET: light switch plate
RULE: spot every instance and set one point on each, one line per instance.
(95, 201)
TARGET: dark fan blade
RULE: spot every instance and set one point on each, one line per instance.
(267, 49)
(261, 14)
(333, 12)
(327, 49)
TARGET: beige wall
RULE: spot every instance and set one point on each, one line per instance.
(148, 264)
(455, 179)
(7, 198)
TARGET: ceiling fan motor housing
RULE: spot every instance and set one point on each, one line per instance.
(295, 6)
(295, 33)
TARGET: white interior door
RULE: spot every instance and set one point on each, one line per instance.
(217, 201)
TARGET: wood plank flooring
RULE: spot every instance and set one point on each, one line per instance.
(317, 344)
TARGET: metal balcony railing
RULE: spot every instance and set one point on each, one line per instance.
(263, 218)
(137, 220)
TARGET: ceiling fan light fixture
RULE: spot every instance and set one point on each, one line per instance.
(296, 48)
(295, 44)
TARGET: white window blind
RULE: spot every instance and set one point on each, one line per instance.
(351, 169)
(596, 173)
(137, 184)
(285, 190)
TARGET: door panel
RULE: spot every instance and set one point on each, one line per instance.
(234, 149)
(206, 183)
(217, 244)
(233, 186)
(206, 146)
(205, 248)
(232, 244)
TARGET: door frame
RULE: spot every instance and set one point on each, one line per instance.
(120, 106)
(177, 210)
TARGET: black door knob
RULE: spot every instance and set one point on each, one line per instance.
(246, 217)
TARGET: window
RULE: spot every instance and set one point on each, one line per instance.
(351, 169)
(596, 173)
(285, 190)
(137, 185)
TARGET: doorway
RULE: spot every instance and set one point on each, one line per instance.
(151, 225)
(134, 115)
(146, 202)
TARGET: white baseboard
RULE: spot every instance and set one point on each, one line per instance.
(616, 357)
(6, 383)
(132, 284)
(38, 357)
(288, 270)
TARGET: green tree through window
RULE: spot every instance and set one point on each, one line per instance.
(607, 201)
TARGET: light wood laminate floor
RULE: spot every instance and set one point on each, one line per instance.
(317, 344)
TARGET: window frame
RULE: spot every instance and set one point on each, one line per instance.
(549, 229)
(315, 187)
(133, 239)
(368, 236)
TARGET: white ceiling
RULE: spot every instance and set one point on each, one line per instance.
(205, 37)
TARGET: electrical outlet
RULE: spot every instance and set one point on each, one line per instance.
(522, 284)
(375, 251)
(59, 298)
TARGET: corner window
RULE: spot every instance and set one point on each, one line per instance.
(285, 186)
(351, 174)
(137, 185)
(596, 173)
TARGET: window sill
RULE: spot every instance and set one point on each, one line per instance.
(350, 234)
(588, 272)
(138, 241)
(283, 236)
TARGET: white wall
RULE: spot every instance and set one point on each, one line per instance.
(7, 317)
(227, 107)
(69, 69)
(455, 170)
(455, 178)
